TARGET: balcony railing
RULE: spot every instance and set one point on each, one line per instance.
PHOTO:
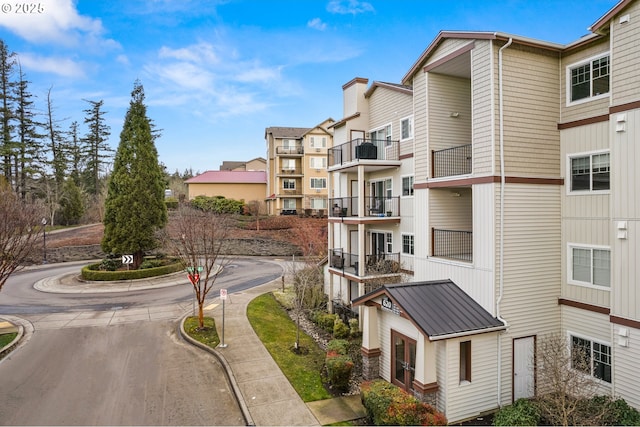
(451, 161)
(363, 149)
(374, 206)
(289, 150)
(375, 264)
(290, 192)
(291, 171)
(452, 244)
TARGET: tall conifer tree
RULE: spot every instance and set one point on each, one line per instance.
(135, 208)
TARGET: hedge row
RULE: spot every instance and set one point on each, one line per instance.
(386, 404)
(90, 272)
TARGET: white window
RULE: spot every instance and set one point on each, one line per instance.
(318, 162)
(407, 244)
(319, 142)
(588, 79)
(289, 184)
(589, 172)
(407, 185)
(288, 165)
(591, 357)
(589, 266)
(406, 128)
(288, 143)
(318, 183)
(381, 134)
(288, 204)
(318, 203)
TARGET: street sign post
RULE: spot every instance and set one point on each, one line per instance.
(223, 297)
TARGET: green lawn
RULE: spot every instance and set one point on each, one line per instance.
(278, 334)
(208, 336)
(7, 338)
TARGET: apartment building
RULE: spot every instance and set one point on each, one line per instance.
(506, 213)
(297, 169)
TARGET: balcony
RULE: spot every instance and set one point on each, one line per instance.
(452, 244)
(290, 171)
(375, 207)
(451, 161)
(375, 264)
(290, 192)
(287, 150)
(360, 149)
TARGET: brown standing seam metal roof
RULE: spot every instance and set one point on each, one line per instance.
(439, 308)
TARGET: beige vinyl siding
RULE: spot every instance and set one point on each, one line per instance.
(625, 367)
(482, 95)
(389, 106)
(591, 325)
(448, 212)
(585, 217)
(625, 204)
(387, 322)
(624, 56)
(247, 192)
(421, 227)
(421, 150)
(442, 367)
(532, 249)
(470, 399)
(484, 226)
(531, 109)
(585, 109)
(449, 95)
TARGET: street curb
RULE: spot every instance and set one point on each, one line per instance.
(227, 370)
(24, 329)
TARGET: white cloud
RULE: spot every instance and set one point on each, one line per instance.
(201, 52)
(61, 66)
(58, 22)
(316, 23)
(353, 7)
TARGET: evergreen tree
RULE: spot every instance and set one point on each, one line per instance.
(7, 109)
(95, 145)
(135, 208)
(28, 161)
(71, 206)
(73, 153)
(56, 142)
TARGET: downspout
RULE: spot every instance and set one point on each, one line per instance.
(501, 250)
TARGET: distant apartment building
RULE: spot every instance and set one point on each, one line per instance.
(297, 169)
(488, 201)
(257, 164)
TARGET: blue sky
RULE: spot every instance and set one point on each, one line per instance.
(216, 73)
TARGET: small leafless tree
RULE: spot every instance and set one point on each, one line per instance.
(197, 238)
(564, 379)
(255, 208)
(307, 273)
(20, 229)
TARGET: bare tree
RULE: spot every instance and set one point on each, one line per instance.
(255, 208)
(564, 381)
(20, 228)
(197, 239)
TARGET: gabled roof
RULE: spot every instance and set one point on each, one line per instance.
(229, 177)
(286, 132)
(393, 86)
(601, 23)
(440, 309)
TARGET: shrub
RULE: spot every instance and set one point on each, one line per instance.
(604, 410)
(340, 329)
(325, 320)
(108, 264)
(91, 272)
(386, 404)
(338, 346)
(523, 412)
(171, 203)
(218, 205)
(339, 369)
(354, 327)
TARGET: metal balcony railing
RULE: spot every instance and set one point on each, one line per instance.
(452, 244)
(375, 264)
(374, 207)
(363, 149)
(451, 161)
(290, 150)
(291, 171)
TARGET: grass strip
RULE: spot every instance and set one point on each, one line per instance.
(7, 338)
(278, 334)
(207, 336)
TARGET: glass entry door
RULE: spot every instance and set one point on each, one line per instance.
(403, 360)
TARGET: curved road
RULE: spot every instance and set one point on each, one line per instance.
(134, 371)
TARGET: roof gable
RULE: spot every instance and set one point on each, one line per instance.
(440, 309)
